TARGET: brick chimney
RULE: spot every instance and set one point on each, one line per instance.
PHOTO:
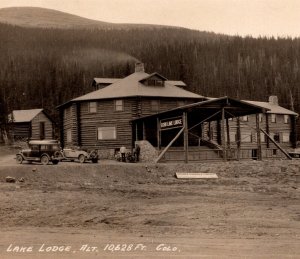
(139, 67)
(273, 99)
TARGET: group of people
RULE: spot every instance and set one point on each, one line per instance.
(136, 153)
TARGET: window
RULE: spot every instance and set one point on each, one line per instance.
(274, 152)
(260, 117)
(92, 107)
(107, 133)
(285, 137)
(245, 118)
(262, 137)
(276, 137)
(69, 135)
(273, 118)
(35, 147)
(119, 105)
(155, 82)
(286, 118)
(154, 105)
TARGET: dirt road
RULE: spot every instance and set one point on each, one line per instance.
(100, 210)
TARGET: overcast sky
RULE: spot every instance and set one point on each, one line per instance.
(242, 17)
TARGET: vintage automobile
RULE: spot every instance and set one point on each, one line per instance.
(43, 151)
(82, 156)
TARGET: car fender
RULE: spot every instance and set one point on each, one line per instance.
(20, 153)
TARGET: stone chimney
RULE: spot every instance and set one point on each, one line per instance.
(139, 67)
(273, 99)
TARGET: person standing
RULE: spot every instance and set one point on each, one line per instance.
(123, 153)
(137, 151)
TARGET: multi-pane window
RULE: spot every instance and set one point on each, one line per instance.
(119, 105)
(285, 137)
(106, 133)
(273, 118)
(154, 105)
(155, 82)
(92, 107)
(286, 118)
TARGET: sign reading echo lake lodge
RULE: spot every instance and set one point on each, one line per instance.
(171, 123)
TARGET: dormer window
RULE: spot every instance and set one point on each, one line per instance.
(154, 82)
(154, 79)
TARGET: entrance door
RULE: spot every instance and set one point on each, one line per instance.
(42, 130)
(254, 154)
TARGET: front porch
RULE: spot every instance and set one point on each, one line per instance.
(200, 132)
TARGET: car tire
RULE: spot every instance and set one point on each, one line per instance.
(45, 160)
(81, 159)
(55, 162)
(19, 159)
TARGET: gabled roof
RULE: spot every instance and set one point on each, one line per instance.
(154, 74)
(99, 80)
(131, 86)
(23, 115)
(272, 108)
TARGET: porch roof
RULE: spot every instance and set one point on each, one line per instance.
(210, 110)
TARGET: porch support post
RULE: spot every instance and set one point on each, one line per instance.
(223, 135)
(185, 137)
(228, 133)
(259, 154)
(144, 131)
(267, 129)
(136, 131)
(158, 133)
(238, 133)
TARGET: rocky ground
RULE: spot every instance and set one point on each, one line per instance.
(252, 210)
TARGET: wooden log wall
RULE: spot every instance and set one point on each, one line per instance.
(84, 125)
(21, 130)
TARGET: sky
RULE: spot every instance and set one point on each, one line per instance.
(233, 17)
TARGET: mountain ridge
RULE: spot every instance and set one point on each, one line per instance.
(50, 18)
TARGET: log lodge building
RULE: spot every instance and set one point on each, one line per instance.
(173, 124)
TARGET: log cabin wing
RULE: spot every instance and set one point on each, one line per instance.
(31, 124)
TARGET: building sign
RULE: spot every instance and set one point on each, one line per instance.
(171, 123)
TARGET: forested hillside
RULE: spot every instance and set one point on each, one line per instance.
(47, 67)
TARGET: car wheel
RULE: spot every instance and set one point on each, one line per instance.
(55, 162)
(81, 159)
(19, 159)
(45, 160)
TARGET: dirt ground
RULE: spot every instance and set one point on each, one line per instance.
(112, 210)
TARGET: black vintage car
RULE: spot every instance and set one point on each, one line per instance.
(43, 151)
